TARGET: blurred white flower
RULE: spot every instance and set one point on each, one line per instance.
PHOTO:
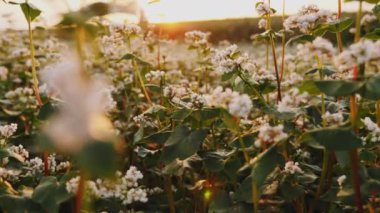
(81, 118)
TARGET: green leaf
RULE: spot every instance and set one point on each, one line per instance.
(374, 35)
(50, 194)
(338, 88)
(231, 122)
(30, 11)
(212, 161)
(16, 204)
(371, 89)
(309, 87)
(138, 136)
(130, 56)
(300, 39)
(98, 159)
(46, 111)
(264, 164)
(324, 71)
(85, 13)
(182, 143)
(181, 114)
(339, 25)
(291, 191)
(336, 139)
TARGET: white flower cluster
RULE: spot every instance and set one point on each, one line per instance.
(333, 119)
(8, 130)
(21, 98)
(321, 46)
(270, 134)
(373, 128)
(292, 100)
(105, 94)
(358, 53)
(124, 188)
(197, 38)
(262, 23)
(261, 75)
(292, 79)
(125, 30)
(155, 75)
(18, 152)
(112, 46)
(303, 154)
(3, 73)
(229, 60)
(368, 19)
(239, 105)
(9, 174)
(292, 167)
(263, 9)
(308, 18)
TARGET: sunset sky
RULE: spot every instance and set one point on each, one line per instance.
(171, 10)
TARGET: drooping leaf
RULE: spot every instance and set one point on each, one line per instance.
(30, 11)
(336, 139)
(371, 89)
(338, 88)
(50, 194)
(182, 143)
(300, 39)
(130, 56)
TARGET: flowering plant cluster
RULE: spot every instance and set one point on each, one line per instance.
(120, 119)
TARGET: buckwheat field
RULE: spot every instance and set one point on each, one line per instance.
(98, 115)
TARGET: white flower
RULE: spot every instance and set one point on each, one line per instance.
(240, 106)
(292, 100)
(196, 38)
(373, 128)
(155, 75)
(263, 9)
(3, 73)
(333, 119)
(229, 59)
(8, 130)
(292, 167)
(362, 51)
(83, 113)
(269, 135)
(19, 152)
(262, 23)
(309, 17)
(341, 180)
(368, 19)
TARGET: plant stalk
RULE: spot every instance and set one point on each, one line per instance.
(169, 193)
(80, 194)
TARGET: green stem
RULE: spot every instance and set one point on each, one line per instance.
(169, 193)
(283, 41)
(378, 113)
(358, 19)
